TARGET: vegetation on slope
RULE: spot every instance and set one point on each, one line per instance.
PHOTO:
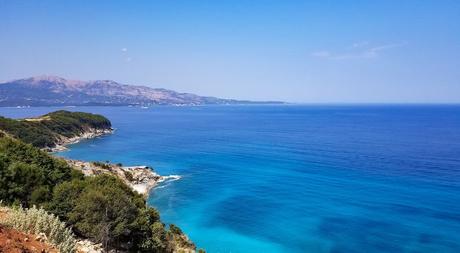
(101, 207)
(37, 221)
(48, 130)
(28, 175)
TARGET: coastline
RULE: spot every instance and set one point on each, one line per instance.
(88, 134)
(37, 141)
(140, 178)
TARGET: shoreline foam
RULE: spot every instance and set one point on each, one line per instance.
(141, 179)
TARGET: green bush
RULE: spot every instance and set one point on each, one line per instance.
(28, 174)
(103, 165)
(128, 175)
(104, 209)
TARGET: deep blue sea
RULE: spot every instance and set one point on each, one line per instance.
(377, 178)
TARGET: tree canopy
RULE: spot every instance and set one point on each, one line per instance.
(46, 131)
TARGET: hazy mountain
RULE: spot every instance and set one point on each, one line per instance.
(53, 90)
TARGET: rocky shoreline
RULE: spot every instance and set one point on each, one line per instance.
(88, 134)
(140, 178)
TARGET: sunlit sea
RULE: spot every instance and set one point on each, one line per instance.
(292, 178)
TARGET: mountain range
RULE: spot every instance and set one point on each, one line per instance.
(55, 91)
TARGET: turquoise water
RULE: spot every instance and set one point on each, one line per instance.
(295, 178)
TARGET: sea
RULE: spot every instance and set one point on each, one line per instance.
(294, 178)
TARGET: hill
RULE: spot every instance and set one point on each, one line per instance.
(56, 128)
(53, 90)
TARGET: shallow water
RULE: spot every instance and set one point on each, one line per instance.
(295, 178)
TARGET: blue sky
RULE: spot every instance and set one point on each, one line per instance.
(298, 51)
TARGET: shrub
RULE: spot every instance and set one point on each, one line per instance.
(102, 208)
(28, 175)
(175, 229)
(102, 165)
(35, 221)
(128, 175)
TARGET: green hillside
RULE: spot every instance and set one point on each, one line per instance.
(102, 208)
(46, 131)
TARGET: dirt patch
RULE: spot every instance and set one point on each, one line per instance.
(13, 241)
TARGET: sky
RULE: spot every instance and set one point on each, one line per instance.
(296, 51)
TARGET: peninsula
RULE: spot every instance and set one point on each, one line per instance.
(54, 130)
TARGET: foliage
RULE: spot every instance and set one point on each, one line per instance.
(105, 166)
(128, 175)
(46, 131)
(28, 175)
(178, 238)
(65, 198)
(34, 220)
(175, 229)
(102, 207)
(106, 210)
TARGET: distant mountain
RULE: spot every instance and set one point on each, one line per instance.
(53, 90)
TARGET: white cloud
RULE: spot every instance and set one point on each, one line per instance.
(324, 54)
(126, 56)
(358, 50)
(360, 44)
